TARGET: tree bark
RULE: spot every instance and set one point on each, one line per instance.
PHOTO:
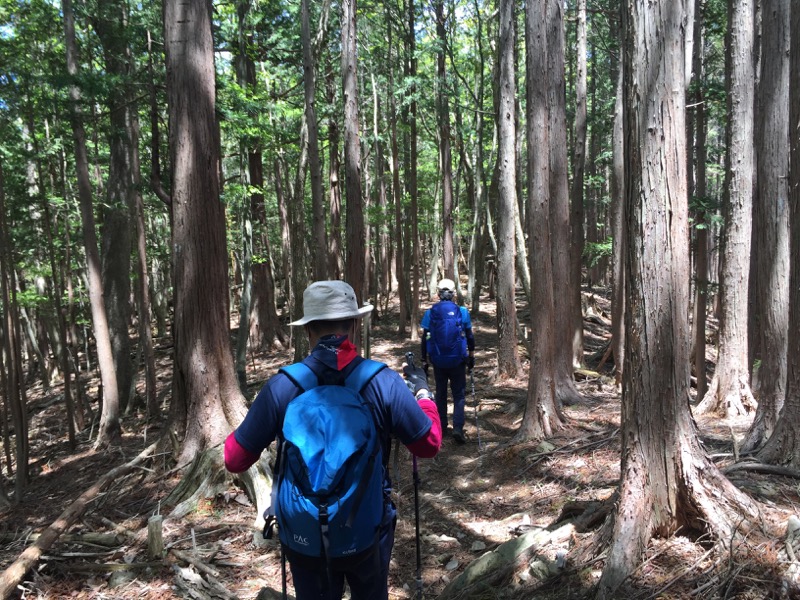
(13, 380)
(783, 446)
(668, 481)
(702, 207)
(109, 428)
(477, 249)
(770, 276)
(542, 416)
(62, 347)
(299, 255)
(576, 196)
(142, 284)
(320, 262)
(207, 400)
(336, 248)
(618, 236)
(116, 241)
(730, 392)
(566, 392)
(382, 274)
(399, 239)
(445, 154)
(507, 353)
(245, 78)
(356, 258)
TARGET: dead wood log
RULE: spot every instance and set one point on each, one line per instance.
(12, 576)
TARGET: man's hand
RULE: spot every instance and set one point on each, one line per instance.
(425, 367)
(416, 378)
(471, 362)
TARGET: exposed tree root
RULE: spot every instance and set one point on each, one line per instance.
(206, 477)
(730, 401)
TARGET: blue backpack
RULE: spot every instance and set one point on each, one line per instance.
(328, 494)
(446, 344)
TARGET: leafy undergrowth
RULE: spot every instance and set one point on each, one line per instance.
(473, 498)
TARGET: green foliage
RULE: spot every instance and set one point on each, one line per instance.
(594, 252)
(36, 137)
(705, 212)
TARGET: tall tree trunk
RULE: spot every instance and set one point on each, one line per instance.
(207, 402)
(109, 428)
(729, 392)
(282, 200)
(411, 166)
(116, 242)
(319, 263)
(383, 241)
(445, 157)
(668, 482)
(576, 196)
(266, 330)
(356, 245)
(770, 278)
(297, 224)
(335, 246)
(142, 284)
(566, 392)
(62, 347)
(245, 77)
(265, 327)
(155, 139)
(783, 446)
(702, 216)
(477, 250)
(507, 353)
(618, 236)
(14, 387)
(399, 237)
(542, 416)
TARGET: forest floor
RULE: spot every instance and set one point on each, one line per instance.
(473, 497)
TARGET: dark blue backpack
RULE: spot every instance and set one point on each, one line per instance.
(446, 344)
(328, 495)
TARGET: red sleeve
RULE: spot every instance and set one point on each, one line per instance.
(428, 445)
(237, 459)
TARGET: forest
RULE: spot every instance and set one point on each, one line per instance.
(613, 184)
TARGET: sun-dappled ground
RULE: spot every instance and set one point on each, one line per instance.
(473, 498)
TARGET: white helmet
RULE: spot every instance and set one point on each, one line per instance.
(447, 285)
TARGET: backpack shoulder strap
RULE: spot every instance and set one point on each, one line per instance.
(301, 375)
(363, 374)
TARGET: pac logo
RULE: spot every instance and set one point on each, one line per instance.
(299, 539)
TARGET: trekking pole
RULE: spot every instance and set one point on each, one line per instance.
(475, 404)
(416, 520)
(418, 595)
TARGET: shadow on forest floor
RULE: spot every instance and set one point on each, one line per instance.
(473, 497)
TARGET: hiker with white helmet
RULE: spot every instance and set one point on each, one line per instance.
(448, 341)
(333, 415)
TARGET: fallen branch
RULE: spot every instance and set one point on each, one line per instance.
(185, 577)
(13, 575)
(90, 538)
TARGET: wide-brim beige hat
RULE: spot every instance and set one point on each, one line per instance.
(330, 301)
